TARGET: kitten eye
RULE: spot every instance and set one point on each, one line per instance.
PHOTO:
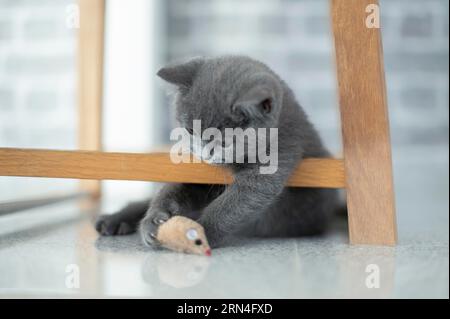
(266, 105)
(190, 130)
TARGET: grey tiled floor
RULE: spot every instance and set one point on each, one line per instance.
(36, 247)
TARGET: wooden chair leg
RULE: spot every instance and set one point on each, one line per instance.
(90, 82)
(365, 125)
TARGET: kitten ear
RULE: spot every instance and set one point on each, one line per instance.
(256, 103)
(181, 74)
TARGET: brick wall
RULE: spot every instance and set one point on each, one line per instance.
(293, 37)
(37, 63)
(37, 74)
(37, 86)
(416, 56)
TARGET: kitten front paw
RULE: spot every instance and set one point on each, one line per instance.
(149, 227)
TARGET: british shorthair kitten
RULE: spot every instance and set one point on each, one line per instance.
(237, 92)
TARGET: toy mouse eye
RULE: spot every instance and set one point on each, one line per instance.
(198, 242)
(191, 234)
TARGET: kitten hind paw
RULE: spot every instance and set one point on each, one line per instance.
(109, 226)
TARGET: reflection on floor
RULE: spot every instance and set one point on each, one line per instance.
(37, 262)
(44, 251)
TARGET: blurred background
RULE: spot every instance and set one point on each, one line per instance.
(38, 81)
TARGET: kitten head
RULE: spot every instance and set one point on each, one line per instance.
(231, 90)
(225, 92)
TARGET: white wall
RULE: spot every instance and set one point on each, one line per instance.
(131, 59)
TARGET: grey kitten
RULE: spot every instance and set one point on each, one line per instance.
(237, 91)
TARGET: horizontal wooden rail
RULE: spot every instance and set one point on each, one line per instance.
(156, 167)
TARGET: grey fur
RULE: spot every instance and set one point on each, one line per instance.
(227, 92)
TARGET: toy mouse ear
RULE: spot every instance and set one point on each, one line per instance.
(182, 74)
